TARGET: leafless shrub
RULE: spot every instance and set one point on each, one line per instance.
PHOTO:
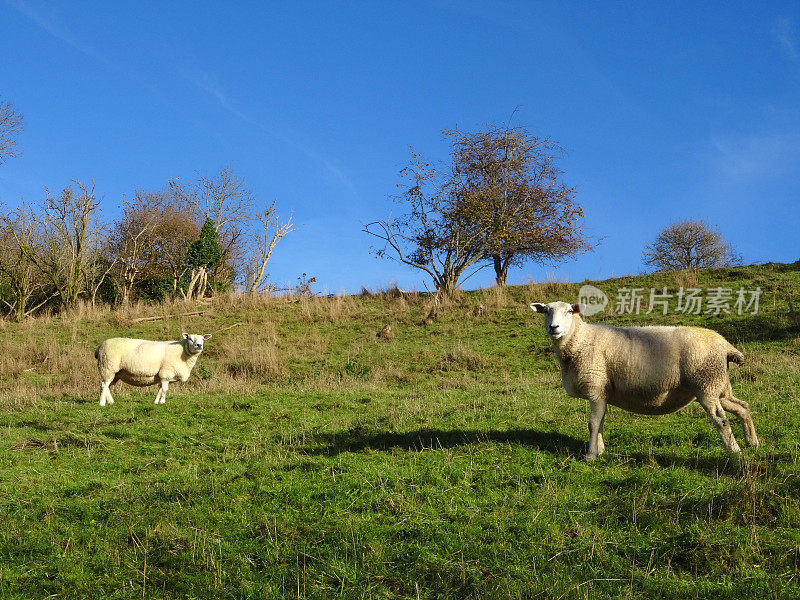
(690, 244)
(272, 229)
(304, 284)
(10, 127)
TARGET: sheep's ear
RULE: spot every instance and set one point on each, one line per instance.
(208, 335)
(538, 307)
(185, 336)
(577, 308)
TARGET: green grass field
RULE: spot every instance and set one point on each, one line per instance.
(308, 458)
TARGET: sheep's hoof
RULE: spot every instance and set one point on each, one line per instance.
(590, 457)
(102, 402)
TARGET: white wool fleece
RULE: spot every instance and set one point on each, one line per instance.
(651, 370)
(144, 362)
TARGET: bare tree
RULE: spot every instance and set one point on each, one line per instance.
(23, 278)
(271, 231)
(433, 235)
(227, 201)
(10, 127)
(690, 244)
(99, 265)
(132, 236)
(65, 234)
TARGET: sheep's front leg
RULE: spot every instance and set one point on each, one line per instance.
(597, 413)
(601, 447)
(716, 413)
(161, 397)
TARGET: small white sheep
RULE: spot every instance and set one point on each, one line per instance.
(651, 370)
(143, 362)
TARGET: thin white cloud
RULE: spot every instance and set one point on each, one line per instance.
(338, 175)
(48, 19)
(784, 32)
(756, 156)
(210, 85)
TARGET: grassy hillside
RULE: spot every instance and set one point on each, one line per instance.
(307, 457)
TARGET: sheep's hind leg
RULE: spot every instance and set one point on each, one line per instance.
(742, 410)
(716, 413)
(597, 413)
(105, 393)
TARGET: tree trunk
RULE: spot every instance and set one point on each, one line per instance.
(500, 269)
(447, 286)
(19, 307)
(197, 283)
(21, 294)
(201, 292)
(19, 312)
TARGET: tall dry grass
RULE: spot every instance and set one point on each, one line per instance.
(251, 353)
(686, 278)
(550, 290)
(39, 363)
(494, 297)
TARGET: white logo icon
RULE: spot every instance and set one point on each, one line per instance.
(593, 300)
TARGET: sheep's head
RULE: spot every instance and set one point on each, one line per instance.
(558, 317)
(194, 342)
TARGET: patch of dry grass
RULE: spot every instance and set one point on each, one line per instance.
(252, 353)
(462, 358)
(550, 290)
(686, 278)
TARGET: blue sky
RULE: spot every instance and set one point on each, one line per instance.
(667, 110)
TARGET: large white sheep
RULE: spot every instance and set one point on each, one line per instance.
(652, 370)
(143, 362)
